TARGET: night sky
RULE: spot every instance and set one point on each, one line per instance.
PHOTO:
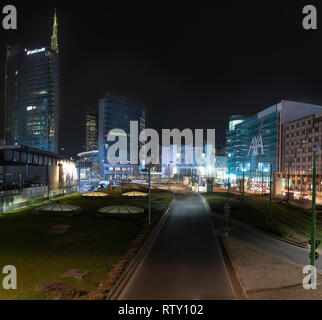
(192, 66)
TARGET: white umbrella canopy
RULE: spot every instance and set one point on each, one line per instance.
(60, 208)
(135, 194)
(95, 195)
(121, 209)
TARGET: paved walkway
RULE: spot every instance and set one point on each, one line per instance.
(185, 261)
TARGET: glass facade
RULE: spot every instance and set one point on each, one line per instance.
(91, 131)
(31, 103)
(116, 113)
(253, 147)
(255, 144)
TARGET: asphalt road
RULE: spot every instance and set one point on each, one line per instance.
(185, 261)
(264, 242)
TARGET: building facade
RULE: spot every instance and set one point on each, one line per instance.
(299, 139)
(29, 175)
(91, 131)
(255, 143)
(32, 96)
(116, 113)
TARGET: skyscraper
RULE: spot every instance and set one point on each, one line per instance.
(116, 113)
(91, 131)
(32, 95)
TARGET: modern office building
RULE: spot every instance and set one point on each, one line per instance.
(231, 142)
(32, 95)
(299, 138)
(254, 143)
(88, 165)
(116, 113)
(91, 134)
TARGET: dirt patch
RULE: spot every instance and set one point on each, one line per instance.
(58, 290)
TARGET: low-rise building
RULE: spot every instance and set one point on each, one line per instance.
(28, 174)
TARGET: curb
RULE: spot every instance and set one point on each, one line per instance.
(232, 275)
(237, 286)
(120, 284)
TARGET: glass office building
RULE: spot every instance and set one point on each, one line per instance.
(116, 113)
(91, 126)
(32, 96)
(254, 143)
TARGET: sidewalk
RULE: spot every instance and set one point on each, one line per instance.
(263, 241)
(266, 277)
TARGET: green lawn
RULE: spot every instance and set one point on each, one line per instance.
(286, 221)
(92, 244)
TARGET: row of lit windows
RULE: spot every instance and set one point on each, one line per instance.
(297, 142)
(303, 132)
(297, 125)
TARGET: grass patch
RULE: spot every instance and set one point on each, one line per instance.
(253, 211)
(92, 244)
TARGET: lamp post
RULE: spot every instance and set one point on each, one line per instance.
(313, 226)
(149, 179)
(243, 186)
(288, 180)
(270, 191)
(228, 189)
(262, 179)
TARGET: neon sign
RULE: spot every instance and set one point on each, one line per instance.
(29, 52)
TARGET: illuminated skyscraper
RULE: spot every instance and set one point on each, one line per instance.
(116, 113)
(91, 131)
(32, 95)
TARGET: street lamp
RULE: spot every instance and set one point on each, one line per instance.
(149, 178)
(243, 186)
(270, 191)
(314, 243)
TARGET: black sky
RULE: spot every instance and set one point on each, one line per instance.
(192, 65)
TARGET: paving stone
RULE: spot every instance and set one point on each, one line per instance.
(76, 273)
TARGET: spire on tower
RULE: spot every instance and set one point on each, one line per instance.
(54, 37)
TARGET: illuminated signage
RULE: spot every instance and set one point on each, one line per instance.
(29, 52)
(257, 143)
